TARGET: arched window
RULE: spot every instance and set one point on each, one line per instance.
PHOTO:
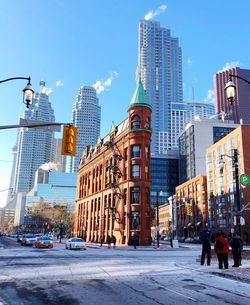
(135, 122)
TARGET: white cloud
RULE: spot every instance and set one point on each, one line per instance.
(47, 90)
(51, 166)
(210, 96)
(161, 9)
(230, 65)
(59, 83)
(101, 86)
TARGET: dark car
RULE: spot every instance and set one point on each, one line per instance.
(20, 237)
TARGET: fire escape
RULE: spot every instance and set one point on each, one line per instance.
(113, 182)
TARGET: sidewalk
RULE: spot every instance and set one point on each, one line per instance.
(240, 274)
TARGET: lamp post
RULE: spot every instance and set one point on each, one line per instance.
(158, 193)
(230, 88)
(234, 157)
(28, 91)
(61, 226)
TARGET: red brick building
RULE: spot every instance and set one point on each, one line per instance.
(221, 182)
(191, 206)
(113, 181)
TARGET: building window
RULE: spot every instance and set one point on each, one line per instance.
(135, 195)
(146, 172)
(136, 122)
(125, 196)
(136, 151)
(136, 171)
(126, 154)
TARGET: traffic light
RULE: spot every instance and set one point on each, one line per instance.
(69, 141)
(189, 209)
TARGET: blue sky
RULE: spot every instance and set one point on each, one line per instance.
(82, 42)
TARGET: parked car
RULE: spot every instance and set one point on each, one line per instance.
(75, 243)
(44, 242)
(28, 240)
(196, 240)
(167, 238)
(19, 238)
(189, 240)
(181, 239)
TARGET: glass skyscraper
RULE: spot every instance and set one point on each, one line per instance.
(34, 145)
(198, 110)
(86, 116)
(160, 69)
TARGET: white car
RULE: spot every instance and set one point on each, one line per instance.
(75, 243)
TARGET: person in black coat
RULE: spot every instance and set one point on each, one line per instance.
(236, 245)
(109, 241)
(134, 241)
(113, 241)
(205, 239)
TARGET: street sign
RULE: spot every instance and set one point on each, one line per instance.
(244, 180)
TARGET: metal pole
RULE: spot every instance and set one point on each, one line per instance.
(60, 233)
(237, 190)
(157, 219)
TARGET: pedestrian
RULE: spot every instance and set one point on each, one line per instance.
(236, 245)
(221, 248)
(134, 241)
(113, 241)
(205, 239)
(109, 241)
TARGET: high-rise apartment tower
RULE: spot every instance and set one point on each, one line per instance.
(160, 70)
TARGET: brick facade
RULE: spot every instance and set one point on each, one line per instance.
(113, 181)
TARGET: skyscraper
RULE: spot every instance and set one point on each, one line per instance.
(160, 69)
(198, 110)
(240, 110)
(86, 116)
(34, 145)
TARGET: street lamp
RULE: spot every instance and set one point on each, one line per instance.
(158, 193)
(230, 88)
(234, 157)
(28, 91)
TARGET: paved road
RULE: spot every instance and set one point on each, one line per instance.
(104, 276)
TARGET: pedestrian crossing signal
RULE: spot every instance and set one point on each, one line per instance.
(69, 141)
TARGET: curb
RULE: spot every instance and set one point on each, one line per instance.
(231, 276)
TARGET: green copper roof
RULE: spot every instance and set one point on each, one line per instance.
(139, 98)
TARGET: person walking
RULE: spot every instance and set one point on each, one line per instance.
(134, 241)
(221, 248)
(113, 241)
(109, 241)
(205, 239)
(236, 245)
